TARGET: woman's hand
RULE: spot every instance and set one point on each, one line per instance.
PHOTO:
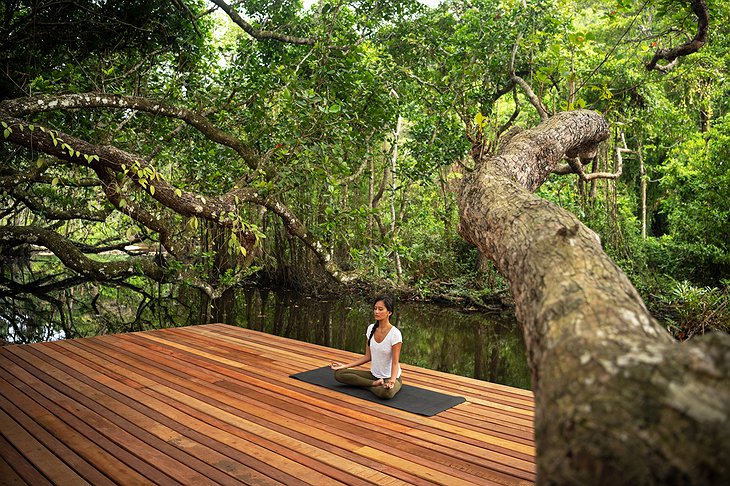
(336, 366)
(389, 384)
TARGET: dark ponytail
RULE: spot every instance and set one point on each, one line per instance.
(372, 331)
(388, 303)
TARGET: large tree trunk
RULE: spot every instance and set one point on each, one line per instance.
(618, 401)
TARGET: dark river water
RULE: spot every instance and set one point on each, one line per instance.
(474, 344)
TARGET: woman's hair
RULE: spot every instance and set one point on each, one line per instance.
(388, 303)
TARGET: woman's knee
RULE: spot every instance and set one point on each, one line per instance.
(339, 374)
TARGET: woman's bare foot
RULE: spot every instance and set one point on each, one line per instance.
(379, 382)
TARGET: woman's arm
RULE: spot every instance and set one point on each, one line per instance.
(364, 359)
(394, 365)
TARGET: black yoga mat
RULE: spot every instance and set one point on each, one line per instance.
(409, 398)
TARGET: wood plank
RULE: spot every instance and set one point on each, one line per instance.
(191, 350)
(520, 402)
(49, 441)
(275, 415)
(169, 436)
(497, 440)
(215, 404)
(8, 474)
(99, 360)
(525, 427)
(21, 466)
(43, 460)
(317, 351)
(111, 464)
(83, 422)
(273, 403)
(169, 441)
(178, 465)
(296, 382)
(189, 382)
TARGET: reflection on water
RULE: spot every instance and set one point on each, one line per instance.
(22, 329)
(440, 338)
(435, 337)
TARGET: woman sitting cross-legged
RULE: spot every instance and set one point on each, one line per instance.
(382, 349)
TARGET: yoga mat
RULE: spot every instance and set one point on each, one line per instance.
(410, 398)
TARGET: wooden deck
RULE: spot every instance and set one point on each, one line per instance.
(214, 404)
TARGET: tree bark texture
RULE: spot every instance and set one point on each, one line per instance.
(618, 401)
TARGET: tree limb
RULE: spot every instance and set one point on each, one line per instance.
(381, 189)
(699, 7)
(108, 162)
(575, 166)
(618, 401)
(547, 143)
(261, 34)
(74, 259)
(534, 100)
(39, 104)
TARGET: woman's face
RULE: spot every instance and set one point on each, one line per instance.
(380, 311)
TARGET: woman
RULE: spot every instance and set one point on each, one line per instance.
(382, 349)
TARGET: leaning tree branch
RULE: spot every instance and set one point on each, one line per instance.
(618, 401)
(39, 104)
(699, 8)
(534, 100)
(115, 247)
(261, 34)
(74, 259)
(539, 144)
(575, 165)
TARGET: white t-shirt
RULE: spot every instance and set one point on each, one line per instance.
(381, 354)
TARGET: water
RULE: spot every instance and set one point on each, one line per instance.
(472, 344)
(441, 338)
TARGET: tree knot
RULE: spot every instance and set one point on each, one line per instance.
(567, 232)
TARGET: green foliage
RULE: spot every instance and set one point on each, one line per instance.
(696, 310)
(702, 263)
(110, 36)
(696, 183)
(322, 118)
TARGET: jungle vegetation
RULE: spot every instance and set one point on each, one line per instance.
(172, 151)
(578, 147)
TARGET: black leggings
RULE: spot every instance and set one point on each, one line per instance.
(365, 379)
